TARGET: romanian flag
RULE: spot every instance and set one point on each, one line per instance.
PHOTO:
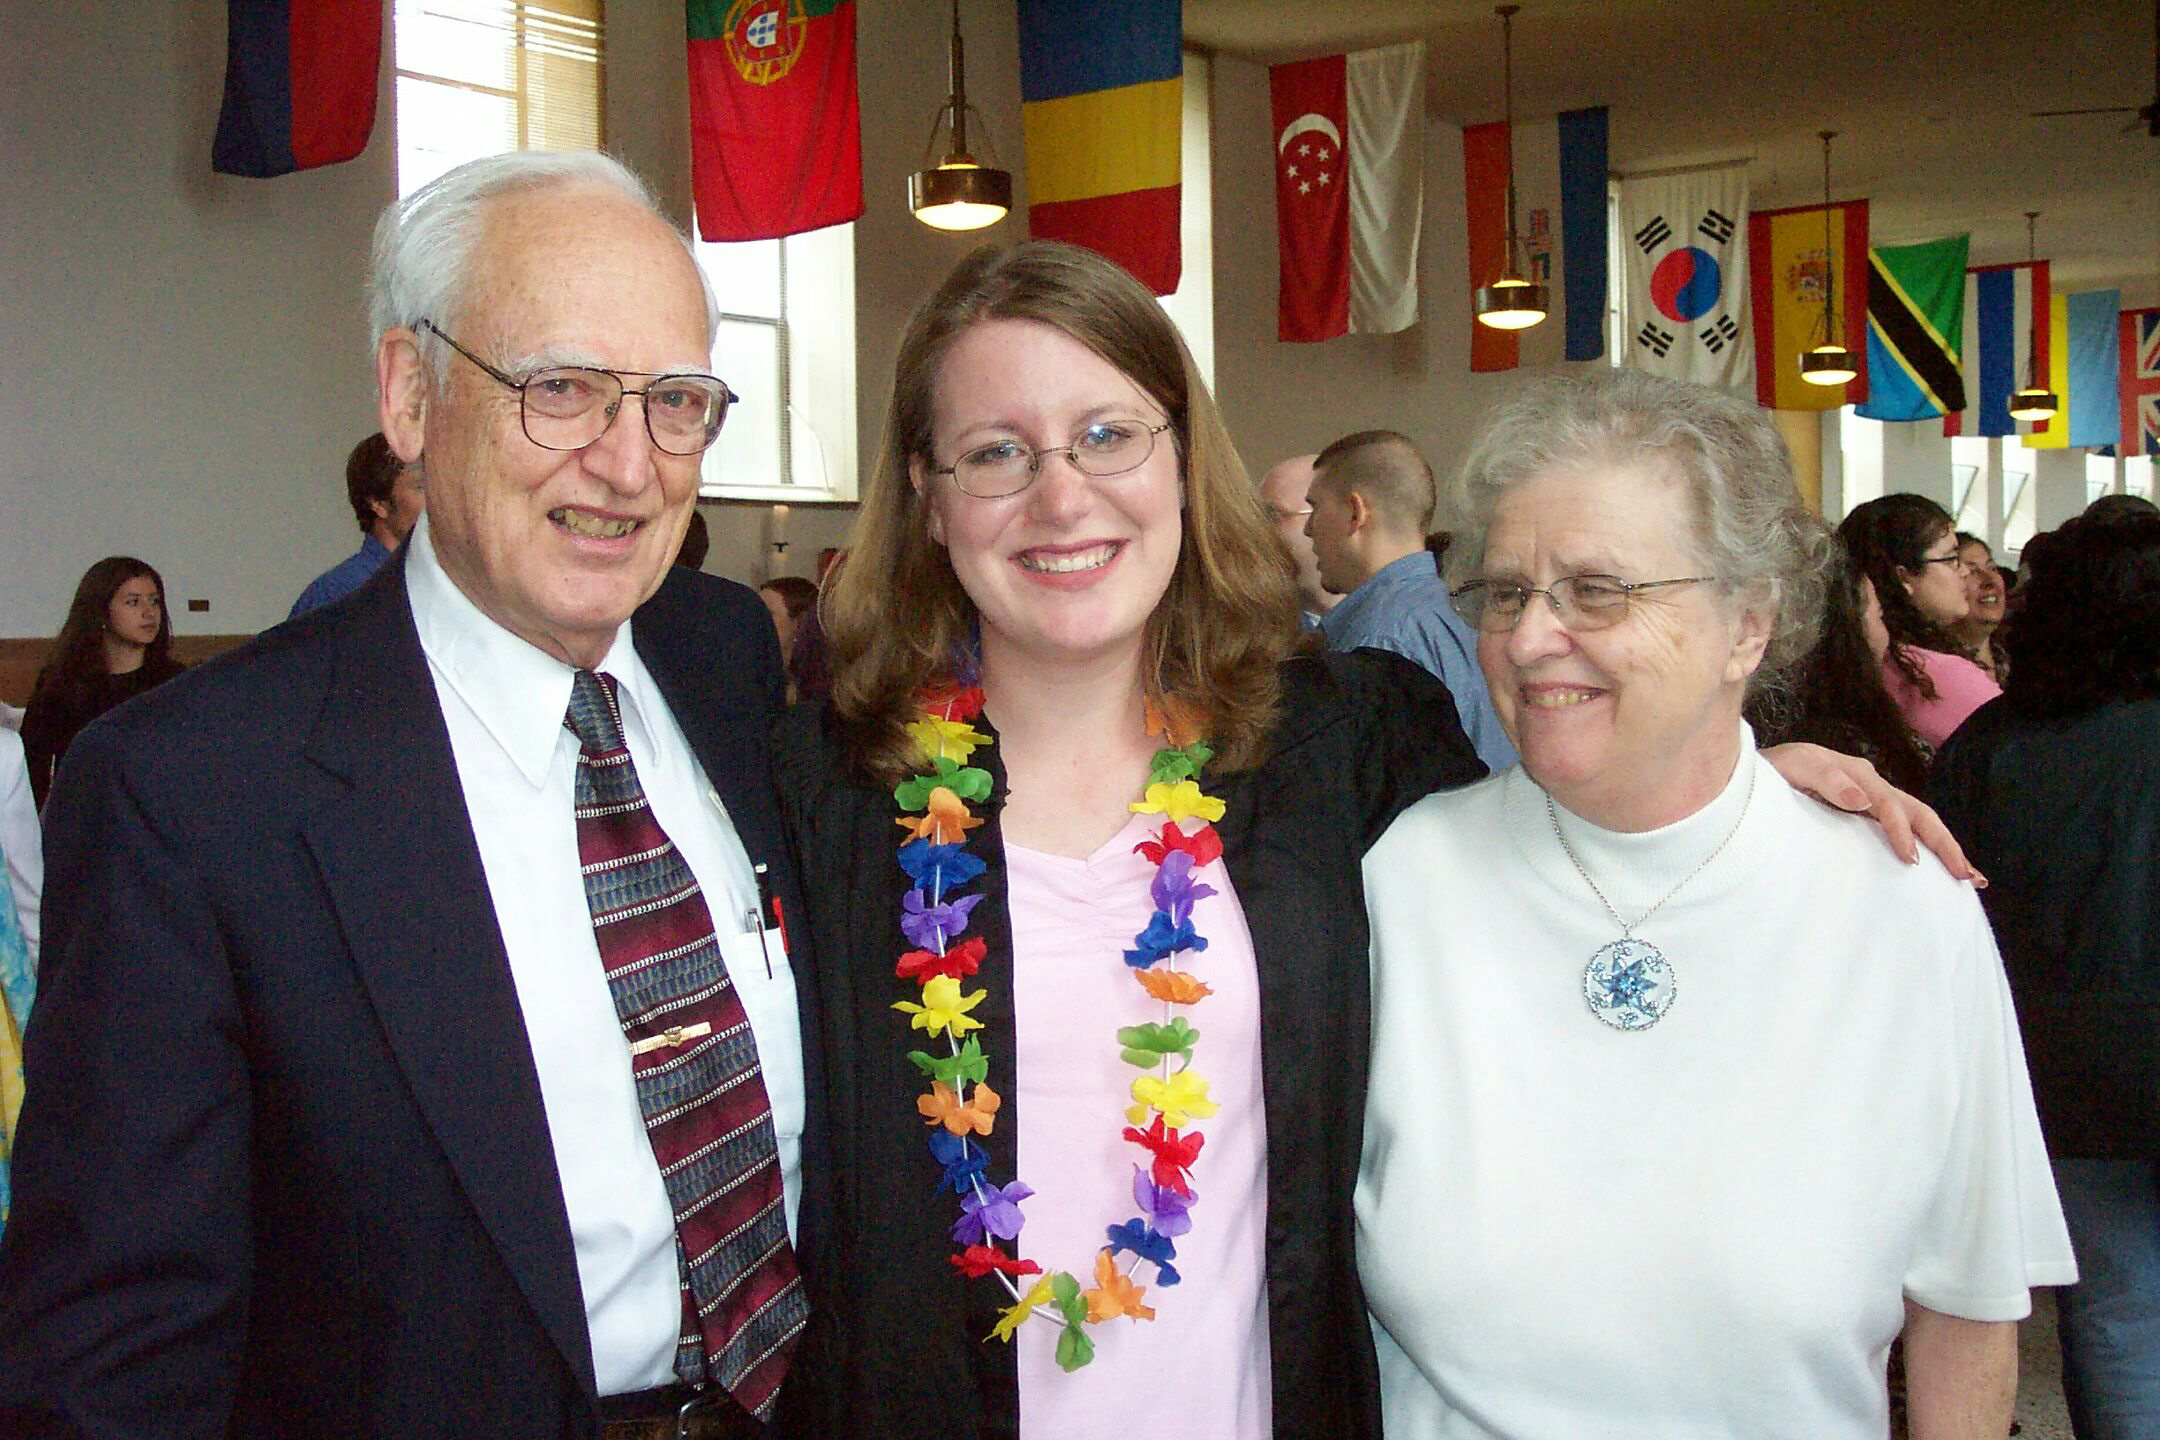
(1102, 105)
(1791, 267)
(2082, 333)
(775, 136)
(1916, 308)
(299, 84)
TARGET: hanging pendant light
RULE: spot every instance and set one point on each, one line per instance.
(1511, 302)
(2035, 401)
(1829, 363)
(959, 192)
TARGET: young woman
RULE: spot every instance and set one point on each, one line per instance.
(1907, 548)
(1985, 595)
(115, 643)
(1089, 934)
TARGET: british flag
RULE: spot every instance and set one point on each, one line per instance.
(2140, 360)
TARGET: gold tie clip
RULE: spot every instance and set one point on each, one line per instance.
(672, 1036)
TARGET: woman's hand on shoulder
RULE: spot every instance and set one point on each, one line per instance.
(1850, 783)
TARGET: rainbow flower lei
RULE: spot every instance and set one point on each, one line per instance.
(962, 1105)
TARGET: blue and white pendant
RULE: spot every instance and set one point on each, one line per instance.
(1628, 984)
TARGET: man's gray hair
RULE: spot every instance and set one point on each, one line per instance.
(1750, 529)
(421, 261)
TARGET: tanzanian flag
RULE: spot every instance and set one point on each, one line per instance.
(775, 129)
(1102, 105)
(1915, 309)
(299, 84)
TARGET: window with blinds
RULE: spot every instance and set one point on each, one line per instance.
(478, 77)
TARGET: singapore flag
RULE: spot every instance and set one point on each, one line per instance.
(1349, 190)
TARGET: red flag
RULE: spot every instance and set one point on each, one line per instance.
(299, 84)
(1312, 216)
(1349, 190)
(775, 135)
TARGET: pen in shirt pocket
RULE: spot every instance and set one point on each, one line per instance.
(768, 904)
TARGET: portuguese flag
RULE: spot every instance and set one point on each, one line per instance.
(775, 136)
(299, 84)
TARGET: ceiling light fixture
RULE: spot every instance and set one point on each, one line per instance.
(1829, 363)
(959, 192)
(1511, 302)
(2035, 401)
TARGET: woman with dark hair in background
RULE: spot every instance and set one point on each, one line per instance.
(1834, 696)
(1906, 547)
(793, 603)
(1985, 595)
(115, 643)
(2055, 791)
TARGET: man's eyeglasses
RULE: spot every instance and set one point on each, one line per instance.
(1283, 515)
(1579, 602)
(1006, 467)
(567, 407)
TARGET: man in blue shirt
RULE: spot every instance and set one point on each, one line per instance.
(386, 496)
(1372, 496)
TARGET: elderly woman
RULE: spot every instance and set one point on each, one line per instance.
(2057, 788)
(1685, 1099)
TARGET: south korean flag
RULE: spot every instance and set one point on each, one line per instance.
(1684, 294)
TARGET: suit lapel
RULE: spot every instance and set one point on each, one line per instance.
(403, 871)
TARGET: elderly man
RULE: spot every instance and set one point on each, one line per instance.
(1283, 490)
(386, 495)
(1372, 497)
(417, 1055)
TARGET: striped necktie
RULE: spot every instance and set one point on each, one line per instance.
(696, 1068)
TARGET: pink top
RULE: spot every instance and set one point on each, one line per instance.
(1200, 1367)
(1961, 687)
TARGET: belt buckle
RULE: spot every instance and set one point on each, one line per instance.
(690, 1408)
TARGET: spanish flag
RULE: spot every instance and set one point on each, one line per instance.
(1102, 105)
(1791, 264)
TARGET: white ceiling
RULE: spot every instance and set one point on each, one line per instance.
(1931, 99)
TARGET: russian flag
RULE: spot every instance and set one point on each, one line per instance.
(1103, 108)
(2007, 315)
(299, 84)
(1560, 215)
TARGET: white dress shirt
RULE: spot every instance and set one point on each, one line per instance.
(21, 839)
(504, 702)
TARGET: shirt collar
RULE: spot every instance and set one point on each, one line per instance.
(518, 691)
(1417, 565)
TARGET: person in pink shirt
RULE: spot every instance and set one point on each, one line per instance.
(1906, 548)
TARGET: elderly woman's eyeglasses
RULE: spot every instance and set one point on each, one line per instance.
(567, 407)
(1006, 467)
(1579, 602)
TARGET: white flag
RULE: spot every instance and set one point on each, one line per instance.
(1684, 277)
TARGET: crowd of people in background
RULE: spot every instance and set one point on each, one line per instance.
(1560, 1047)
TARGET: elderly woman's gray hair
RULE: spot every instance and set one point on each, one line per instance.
(1751, 531)
(421, 261)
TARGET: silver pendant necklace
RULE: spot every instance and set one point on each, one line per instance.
(1629, 983)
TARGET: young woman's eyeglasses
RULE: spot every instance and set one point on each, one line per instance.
(1006, 467)
(567, 407)
(1579, 602)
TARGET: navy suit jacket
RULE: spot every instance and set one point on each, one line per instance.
(284, 1168)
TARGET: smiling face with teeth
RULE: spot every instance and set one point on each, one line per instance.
(556, 546)
(1071, 568)
(1635, 726)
